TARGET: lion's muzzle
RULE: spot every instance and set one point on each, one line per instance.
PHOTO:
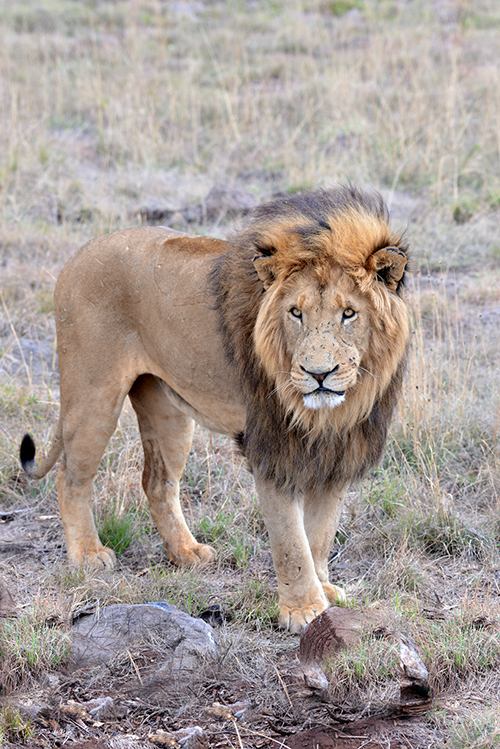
(323, 395)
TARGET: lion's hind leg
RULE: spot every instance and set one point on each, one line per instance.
(82, 540)
(88, 424)
(166, 435)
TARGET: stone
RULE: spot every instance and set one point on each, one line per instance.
(184, 738)
(185, 643)
(334, 629)
(104, 708)
(413, 671)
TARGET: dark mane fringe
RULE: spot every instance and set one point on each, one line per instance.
(296, 462)
(314, 211)
(275, 448)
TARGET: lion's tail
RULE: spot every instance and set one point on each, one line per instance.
(27, 454)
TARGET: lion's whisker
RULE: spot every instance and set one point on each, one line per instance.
(284, 387)
(368, 372)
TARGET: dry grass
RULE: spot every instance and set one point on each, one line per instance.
(34, 642)
(109, 106)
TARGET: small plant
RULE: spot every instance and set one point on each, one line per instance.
(369, 662)
(255, 602)
(455, 649)
(401, 571)
(117, 529)
(340, 7)
(438, 531)
(444, 533)
(31, 644)
(473, 732)
(239, 549)
(13, 727)
(218, 527)
(233, 542)
(388, 494)
(187, 589)
(462, 213)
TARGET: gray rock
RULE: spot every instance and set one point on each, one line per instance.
(104, 708)
(185, 643)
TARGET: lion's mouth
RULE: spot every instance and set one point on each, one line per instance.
(324, 398)
(323, 389)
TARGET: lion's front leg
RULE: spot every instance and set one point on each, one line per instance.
(301, 594)
(321, 519)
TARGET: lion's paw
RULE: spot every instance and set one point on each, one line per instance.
(335, 594)
(106, 557)
(193, 556)
(99, 559)
(294, 619)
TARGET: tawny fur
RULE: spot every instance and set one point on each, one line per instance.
(290, 337)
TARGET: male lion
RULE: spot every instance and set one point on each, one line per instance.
(290, 337)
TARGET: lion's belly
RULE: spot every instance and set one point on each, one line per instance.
(227, 417)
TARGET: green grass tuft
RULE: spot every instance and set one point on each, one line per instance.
(118, 530)
(13, 726)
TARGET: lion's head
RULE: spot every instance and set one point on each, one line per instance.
(311, 304)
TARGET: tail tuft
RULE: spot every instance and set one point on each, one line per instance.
(27, 453)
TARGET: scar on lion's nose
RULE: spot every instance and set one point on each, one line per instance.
(320, 376)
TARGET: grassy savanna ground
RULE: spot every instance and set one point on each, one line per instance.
(109, 106)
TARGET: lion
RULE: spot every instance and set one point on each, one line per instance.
(290, 337)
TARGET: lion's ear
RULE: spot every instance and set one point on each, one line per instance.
(263, 264)
(389, 266)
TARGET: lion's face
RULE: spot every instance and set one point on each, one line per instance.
(330, 341)
(326, 330)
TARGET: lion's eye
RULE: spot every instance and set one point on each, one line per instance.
(296, 312)
(348, 314)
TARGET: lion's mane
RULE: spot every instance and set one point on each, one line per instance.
(298, 448)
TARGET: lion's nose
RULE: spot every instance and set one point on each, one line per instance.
(320, 377)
